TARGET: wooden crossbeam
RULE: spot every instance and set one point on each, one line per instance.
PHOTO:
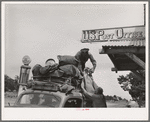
(136, 59)
(114, 69)
(140, 77)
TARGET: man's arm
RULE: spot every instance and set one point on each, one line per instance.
(77, 56)
(92, 60)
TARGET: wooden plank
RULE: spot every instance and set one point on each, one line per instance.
(122, 50)
(136, 59)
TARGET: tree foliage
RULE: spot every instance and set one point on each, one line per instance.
(134, 85)
(10, 84)
(115, 98)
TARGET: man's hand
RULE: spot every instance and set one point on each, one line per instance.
(82, 91)
(91, 71)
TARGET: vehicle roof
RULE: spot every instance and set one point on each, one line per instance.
(74, 93)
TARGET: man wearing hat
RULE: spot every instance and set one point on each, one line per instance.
(82, 56)
(97, 97)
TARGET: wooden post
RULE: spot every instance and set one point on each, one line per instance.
(136, 59)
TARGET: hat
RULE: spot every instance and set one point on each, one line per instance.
(99, 90)
(50, 59)
(85, 49)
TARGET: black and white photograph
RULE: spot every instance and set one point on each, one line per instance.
(74, 60)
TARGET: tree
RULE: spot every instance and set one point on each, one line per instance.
(16, 83)
(114, 98)
(10, 84)
(134, 85)
(109, 97)
(119, 98)
(17, 78)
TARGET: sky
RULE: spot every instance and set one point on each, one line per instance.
(44, 31)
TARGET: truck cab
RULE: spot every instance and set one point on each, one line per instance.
(52, 92)
(45, 98)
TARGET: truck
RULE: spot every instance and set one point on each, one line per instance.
(52, 92)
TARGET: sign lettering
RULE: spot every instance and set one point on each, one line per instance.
(101, 35)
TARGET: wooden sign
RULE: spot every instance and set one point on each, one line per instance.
(113, 34)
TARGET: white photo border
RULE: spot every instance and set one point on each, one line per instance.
(74, 114)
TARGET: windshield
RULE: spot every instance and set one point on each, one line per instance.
(39, 99)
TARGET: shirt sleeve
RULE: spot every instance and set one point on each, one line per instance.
(77, 56)
(92, 60)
